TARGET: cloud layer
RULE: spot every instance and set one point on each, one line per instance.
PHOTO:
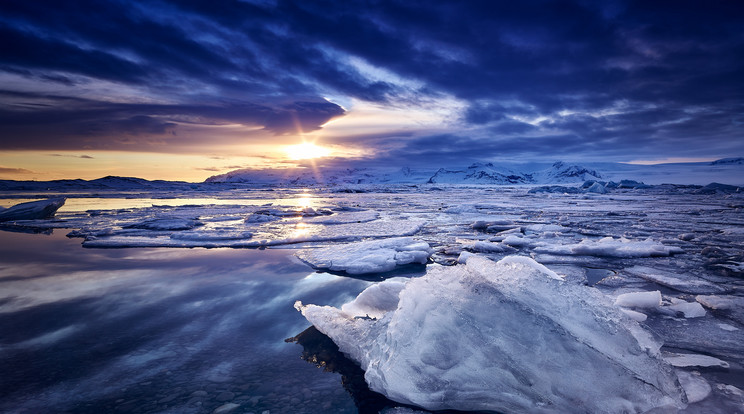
(617, 79)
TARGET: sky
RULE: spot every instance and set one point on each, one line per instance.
(188, 89)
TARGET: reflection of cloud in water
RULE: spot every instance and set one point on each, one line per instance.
(103, 322)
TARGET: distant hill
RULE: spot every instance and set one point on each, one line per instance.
(729, 161)
(728, 171)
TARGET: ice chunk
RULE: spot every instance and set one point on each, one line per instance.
(33, 210)
(682, 283)
(611, 247)
(165, 223)
(505, 337)
(596, 188)
(721, 302)
(376, 300)
(727, 327)
(374, 256)
(216, 235)
(639, 299)
(463, 257)
(696, 387)
(636, 316)
(543, 228)
(694, 360)
(517, 241)
(689, 309)
(488, 247)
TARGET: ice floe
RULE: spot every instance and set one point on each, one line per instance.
(696, 387)
(639, 299)
(373, 256)
(611, 247)
(680, 282)
(501, 336)
(694, 360)
(32, 210)
(689, 309)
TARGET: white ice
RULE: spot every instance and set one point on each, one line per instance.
(611, 247)
(639, 299)
(694, 360)
(373, 256)
(721, 302)
(689, 309)
(696, 387)
(32, 210)
(504, 336)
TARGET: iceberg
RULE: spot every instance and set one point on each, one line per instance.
(373, 256)
(507, 336)
(32, 210)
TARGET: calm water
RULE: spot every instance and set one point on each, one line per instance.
(159, 330)
(79, 204)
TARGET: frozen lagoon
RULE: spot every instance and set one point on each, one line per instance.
(685, 245)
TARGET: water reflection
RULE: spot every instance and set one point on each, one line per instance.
(153, 330)
(319, 350)
(74, 204)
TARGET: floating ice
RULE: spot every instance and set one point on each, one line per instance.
(488, 247)
(611, 247)
(33, 210)
(165, 223)
(636, 316)
(504, 336)
(721, 302)
(727, 327)
(681, 282)
(696, 387)
(373, 256)
(214, 235)
(689, 309)
(694, 360)
(639, 299)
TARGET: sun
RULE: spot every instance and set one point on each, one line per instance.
(306, 150)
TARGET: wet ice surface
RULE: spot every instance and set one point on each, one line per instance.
(686, 245)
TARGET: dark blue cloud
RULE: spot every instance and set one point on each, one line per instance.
(616, 78)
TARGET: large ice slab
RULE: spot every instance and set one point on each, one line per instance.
(32, 210)
(611, 247)
(505, 336)
(372, 256)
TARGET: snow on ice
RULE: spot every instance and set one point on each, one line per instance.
(500, 336)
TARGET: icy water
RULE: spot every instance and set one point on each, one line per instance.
(159, 330)
(163, 309)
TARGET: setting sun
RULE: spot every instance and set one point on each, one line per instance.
(306, 150)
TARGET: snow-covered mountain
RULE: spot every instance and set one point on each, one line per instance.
(562, 173)
(108, 183)
(729, 161)
(725, 171)
(319, 176)
(479, 173)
